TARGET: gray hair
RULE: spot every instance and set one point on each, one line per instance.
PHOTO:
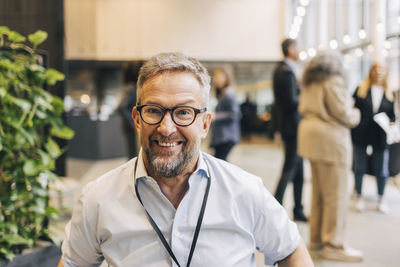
(323, 66)
(174, 62)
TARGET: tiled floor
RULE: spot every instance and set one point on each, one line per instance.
(377, 235)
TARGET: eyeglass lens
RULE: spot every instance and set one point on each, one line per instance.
(180, 115)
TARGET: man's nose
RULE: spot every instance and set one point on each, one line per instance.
(167, 125)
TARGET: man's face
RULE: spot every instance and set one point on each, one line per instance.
(293, 52)
(171, 150)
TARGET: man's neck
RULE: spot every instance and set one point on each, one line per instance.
(175, 188)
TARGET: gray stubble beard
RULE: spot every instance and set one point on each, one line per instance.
(172, 168)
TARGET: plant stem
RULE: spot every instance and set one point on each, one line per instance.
(1, 130)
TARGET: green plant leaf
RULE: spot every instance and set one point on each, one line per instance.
(41, 101)
(65, 132)
(37, 38)
(51, 176)
(31, 167)
(3, 92)
(6, 63)
(53, 76)
(4, 30)
(28, 114)
(22, 103)
(8, 254)
(15, 37)
(45, 157)
(53, 148)
(16, 46)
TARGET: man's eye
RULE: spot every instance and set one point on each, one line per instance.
(183, 112)
(153, 111)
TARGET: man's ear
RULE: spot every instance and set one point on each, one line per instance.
(136, 118)
(206, 124)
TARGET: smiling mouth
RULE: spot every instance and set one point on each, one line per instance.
(168, 144)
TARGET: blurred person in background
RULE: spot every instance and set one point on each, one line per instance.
(249, 113)
(225, 132)
(128, 101)
(372, 96)
(286, 118)
(324, 139)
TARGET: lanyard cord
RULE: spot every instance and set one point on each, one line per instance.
(158, 231)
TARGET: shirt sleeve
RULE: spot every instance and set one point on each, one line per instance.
(276, 235)
(81, 247)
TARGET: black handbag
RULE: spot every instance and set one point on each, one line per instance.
(394, 159)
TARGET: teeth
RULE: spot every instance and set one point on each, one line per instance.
(167, 144)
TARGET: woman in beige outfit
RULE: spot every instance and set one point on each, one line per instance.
(324, 139)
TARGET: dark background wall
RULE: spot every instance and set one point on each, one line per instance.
(28, 16)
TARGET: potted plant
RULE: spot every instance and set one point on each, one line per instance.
(30, 119)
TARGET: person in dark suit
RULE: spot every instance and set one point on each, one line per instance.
(249, 113)
(286, 94)
(372, 97)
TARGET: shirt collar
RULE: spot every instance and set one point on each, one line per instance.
(141, 172)
(292, 64)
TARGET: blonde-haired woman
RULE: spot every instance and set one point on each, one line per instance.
(225, 133)
(372, 97)
(324, 139)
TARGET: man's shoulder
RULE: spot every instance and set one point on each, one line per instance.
(230, 174)
(282, 66)
(106, 184)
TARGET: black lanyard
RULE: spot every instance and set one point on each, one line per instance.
(158, 231)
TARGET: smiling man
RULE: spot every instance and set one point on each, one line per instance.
(174, 205)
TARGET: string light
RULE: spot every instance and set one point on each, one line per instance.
(333, 44)
(346, 39)
(385, 53)
(359, 52)
(301, 11)
(293, 34)
(311, 52)
(303, 55)
(362, 34)
(370, 48)
(298, 20)
(304, 2)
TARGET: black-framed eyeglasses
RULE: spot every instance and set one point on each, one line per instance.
(181, 115)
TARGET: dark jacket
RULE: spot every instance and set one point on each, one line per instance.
(368, 132)
(286, 94)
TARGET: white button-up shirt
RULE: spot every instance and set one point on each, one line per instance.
(241, 215)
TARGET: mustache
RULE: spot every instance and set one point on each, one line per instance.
(172, 137)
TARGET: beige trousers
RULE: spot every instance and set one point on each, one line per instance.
(329, 203)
